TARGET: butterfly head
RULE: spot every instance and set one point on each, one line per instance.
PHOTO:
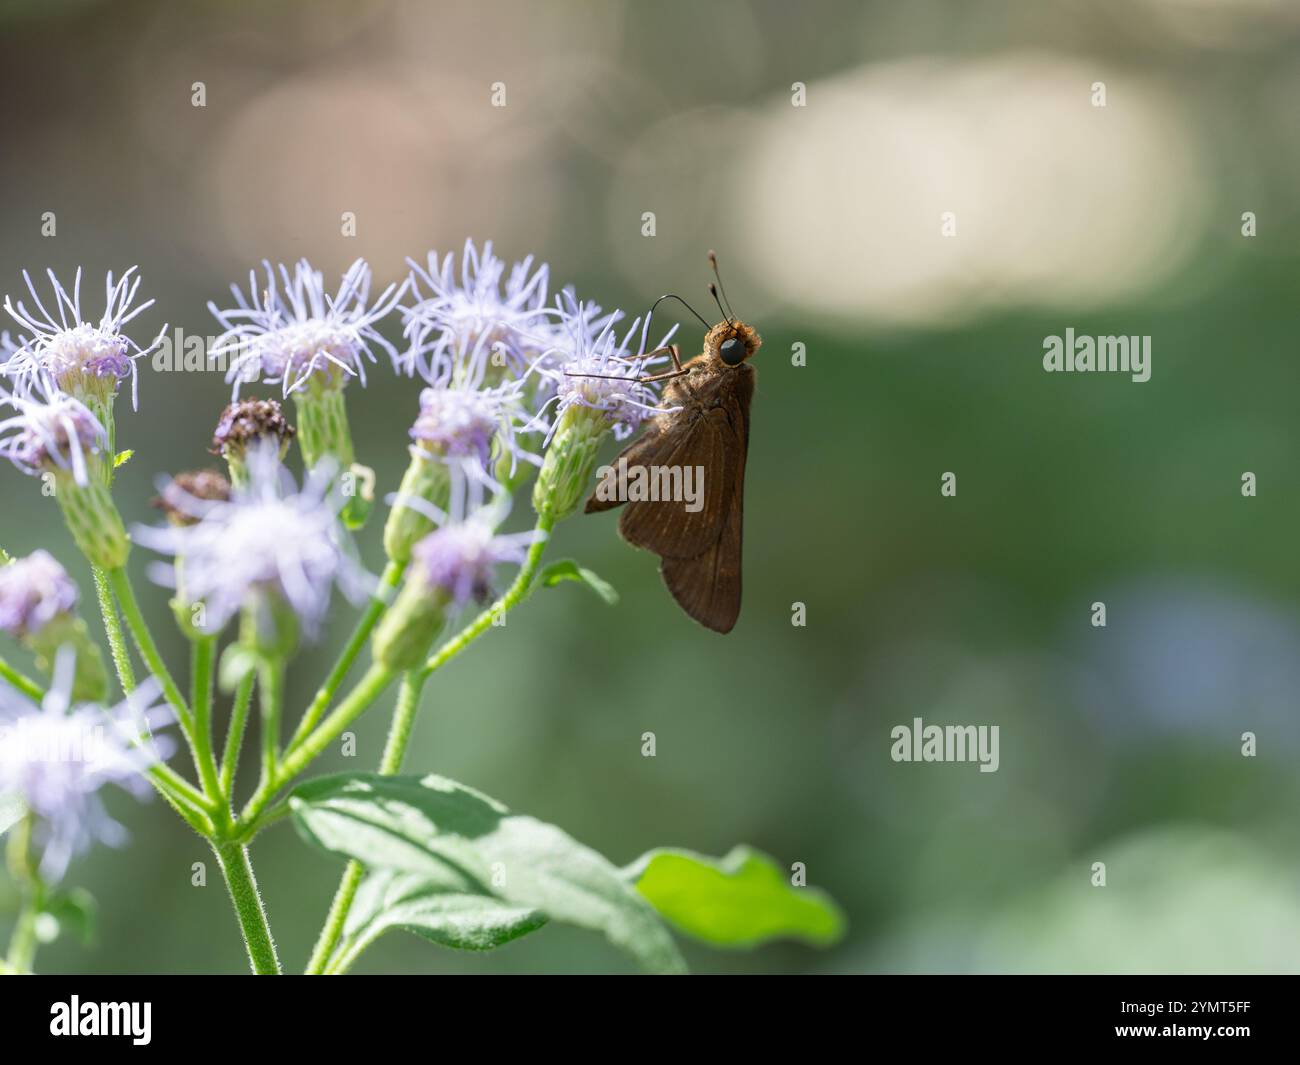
(732, 342)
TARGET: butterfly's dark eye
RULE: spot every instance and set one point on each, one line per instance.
(732, 351)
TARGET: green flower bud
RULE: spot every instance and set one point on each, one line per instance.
(323, 424)
(570, 462)
(426, 478)
(323, 432)
(407, 630)
(93, 519)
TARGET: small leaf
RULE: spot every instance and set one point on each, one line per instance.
(741, 900)
(459, 841)
(568, 570)
(237, 662)
(387, 900)
(122, 458)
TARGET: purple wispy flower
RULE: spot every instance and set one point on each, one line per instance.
(268, 537)
(457, 421)
(49, 429)
(56, 756)
(598, 371)
(474, 313)
(288, 330)
(33, 591)
(459, 559)
(81, 356)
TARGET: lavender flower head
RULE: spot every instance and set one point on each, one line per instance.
(457, 560)
(466, 319)
(597, 371)
(85, 358)
(33, 592)
(55, 758)
(49, 430)
(267, 538)
(459, 421)
(289, 331)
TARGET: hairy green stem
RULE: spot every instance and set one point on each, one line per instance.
(391, 578)
(113, 630)
(271, 700)
(238, 872)
(235, 734)
(202, 653)
(399, 735)
(296, 759)
(121, 585)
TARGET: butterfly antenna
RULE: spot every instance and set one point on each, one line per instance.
(728, 313)
(674, 296)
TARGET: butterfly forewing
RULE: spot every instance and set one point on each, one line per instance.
(710, 450)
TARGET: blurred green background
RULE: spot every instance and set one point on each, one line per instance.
(1119, 745)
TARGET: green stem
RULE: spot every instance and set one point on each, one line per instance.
(271, 692)
(296, 759)
(121, 585)
(113, 630)
(184, 798)
(391, 578)
(238, 871)
(235, 734)
(332, 930)
(22, 682)
(399, 735)
(202, 653)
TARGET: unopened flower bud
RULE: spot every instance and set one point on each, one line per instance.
(570, 462)
(246, 423)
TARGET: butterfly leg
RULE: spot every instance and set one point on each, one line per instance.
(677, 371)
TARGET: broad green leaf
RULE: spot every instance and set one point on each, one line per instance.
(12, 809)
(122, 458)
(568, 570)
(387, 900)
(460, 841)
(740, 900)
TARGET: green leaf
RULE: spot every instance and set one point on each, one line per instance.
(460, 841)
(387, 900)
(568, 570)
(12, 809)
(741, 900)
(122, 458)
